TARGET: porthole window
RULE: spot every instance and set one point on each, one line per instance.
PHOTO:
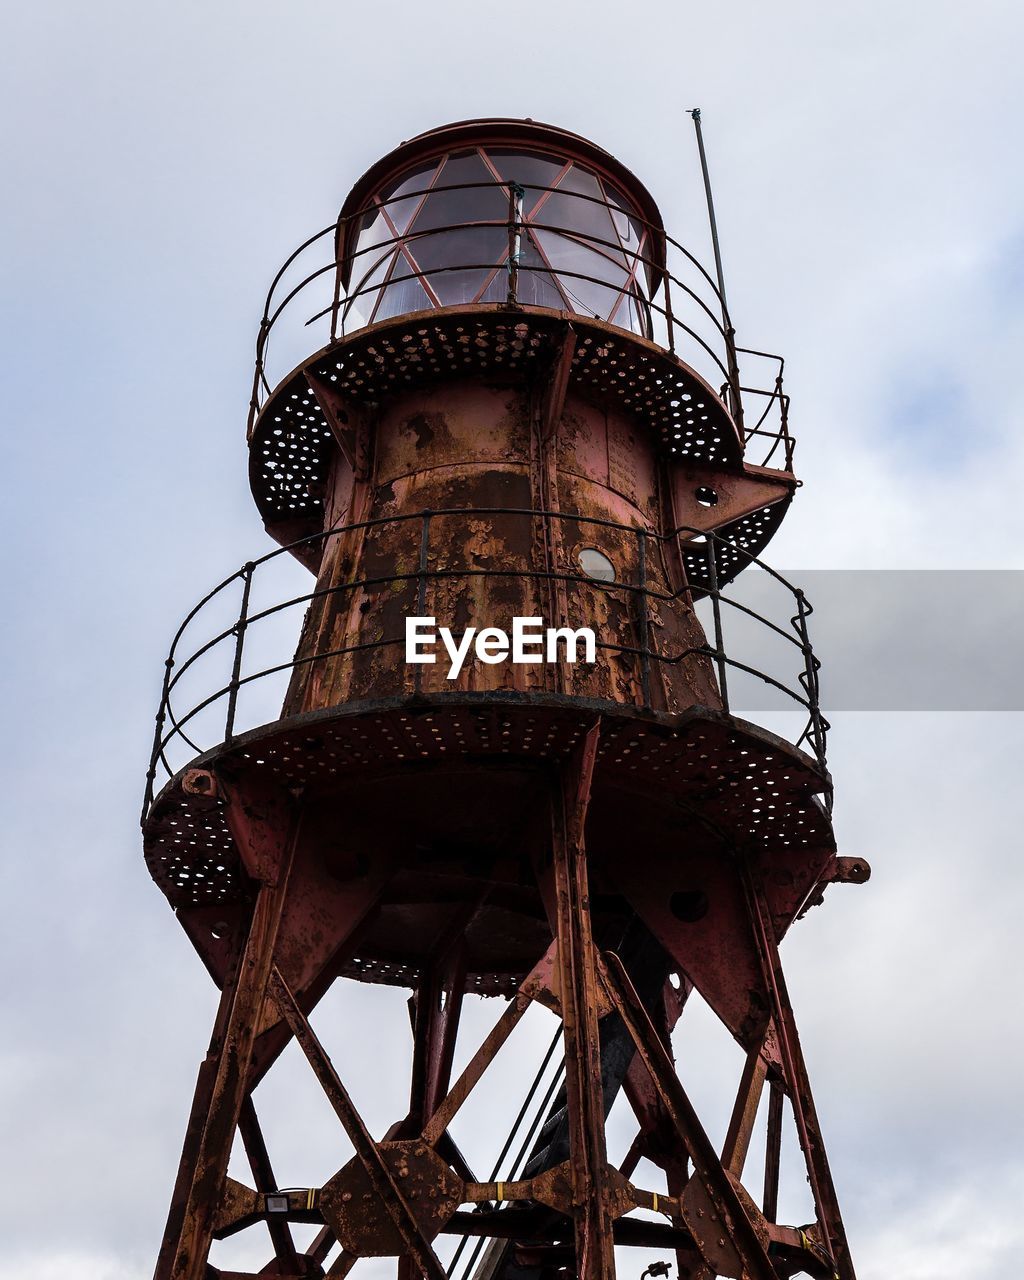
(595, 564)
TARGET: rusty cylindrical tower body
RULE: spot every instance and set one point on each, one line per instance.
(523, 408)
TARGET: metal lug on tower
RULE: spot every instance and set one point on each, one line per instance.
(851, 871)
(201, 783)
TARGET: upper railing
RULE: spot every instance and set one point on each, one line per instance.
(677, 304)
(233, 657)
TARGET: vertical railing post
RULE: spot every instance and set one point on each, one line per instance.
(158, 735)
(784, 414)
(643, 629)
(236, 665)
(336, 304)
(421, 583)
(257, 374)
(735, 394)
(810, 680)
(515, 240)
(716, 610)
(669, 318)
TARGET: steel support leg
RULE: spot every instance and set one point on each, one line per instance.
(595, 1258)
(799, 1087)
(221, 1092)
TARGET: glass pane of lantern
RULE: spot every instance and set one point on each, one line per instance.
(589, 269)
(475, 251)
(403, 293)
(636, 238)
(628, 229)
(487, 203)
(537, 287)
(579, 205)
(457, 258)
(362, 294)
(401, 210)
(528, 169)
(633, 313)
(634, 235)
(373, 230)
(573, 254)
(497, 287)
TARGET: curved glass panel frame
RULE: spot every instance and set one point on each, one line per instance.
(484, 225)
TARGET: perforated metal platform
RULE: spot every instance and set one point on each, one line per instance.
(291, 443)
(749, 788)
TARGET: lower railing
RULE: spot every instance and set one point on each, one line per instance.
(242, 631)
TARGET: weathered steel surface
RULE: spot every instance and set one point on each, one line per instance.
(602, 839)
(223, 1083)
(384, 1169)
(591, 1179)
(479, 445)
(715, 1212)
(353, 1209)
(564, 910)
(294, 441)
(658, 785)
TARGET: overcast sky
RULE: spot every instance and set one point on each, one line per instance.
(159, 161)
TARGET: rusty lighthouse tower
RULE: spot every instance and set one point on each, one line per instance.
(495, 389)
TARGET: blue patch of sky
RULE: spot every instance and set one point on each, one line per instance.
(928, 416)
(935, 412)
(1006, 277)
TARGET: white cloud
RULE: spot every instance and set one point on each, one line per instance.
(160, 161)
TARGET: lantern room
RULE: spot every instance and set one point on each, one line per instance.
(480, 211)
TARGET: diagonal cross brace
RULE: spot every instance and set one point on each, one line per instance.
(685, 1119)
(377, 1171)
(263, 1173)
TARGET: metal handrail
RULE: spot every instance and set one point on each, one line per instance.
(716, 348)
(171, 726)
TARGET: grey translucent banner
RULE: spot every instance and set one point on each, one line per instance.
(887, 640)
